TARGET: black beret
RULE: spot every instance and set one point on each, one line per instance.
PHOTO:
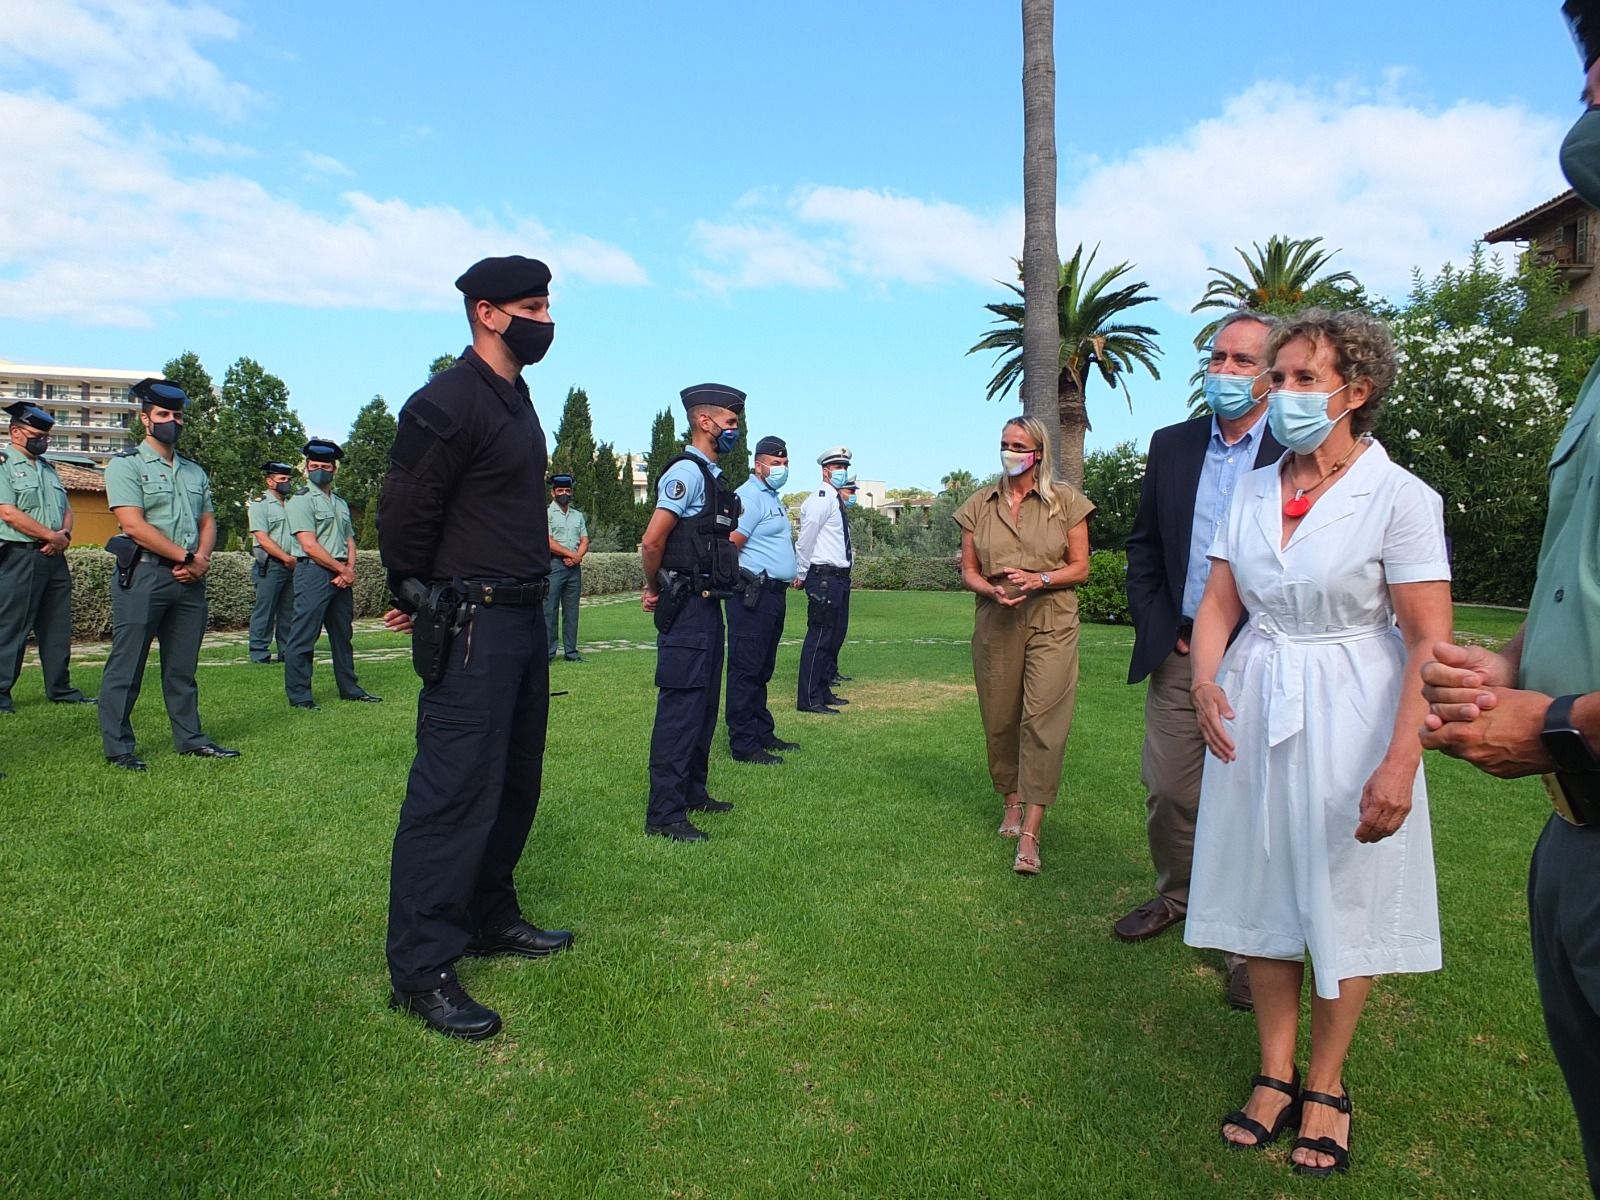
(276, 468)
(508, 278)
(719, 394)
(322, 450)
(772, 445)
(560, 481)
(160, 393)
(24, 413)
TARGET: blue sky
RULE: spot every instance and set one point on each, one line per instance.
(808, 202)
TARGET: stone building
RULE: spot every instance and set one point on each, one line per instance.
(1561, 233)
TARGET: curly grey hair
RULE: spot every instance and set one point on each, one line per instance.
(1362, 346)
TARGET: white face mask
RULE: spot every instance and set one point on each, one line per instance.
(1014, 463)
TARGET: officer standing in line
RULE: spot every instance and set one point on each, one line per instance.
(569, 545)
(273, 612)
(163, 503)
(462, 530)
(325, 571)
(689, 564)
(35, 584)
(756, 612)
(848, 495)
(824, 557)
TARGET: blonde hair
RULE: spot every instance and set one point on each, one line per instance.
(1044, 467)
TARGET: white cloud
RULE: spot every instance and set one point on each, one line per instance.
(1394, 185)
(101, 228)
(324, 164)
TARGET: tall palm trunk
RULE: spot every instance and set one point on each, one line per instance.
(1073, 413)
(1041, 262)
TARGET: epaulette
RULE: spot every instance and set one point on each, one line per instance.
(303, 491)
(2, 456)
(186, 459)
(128, 453)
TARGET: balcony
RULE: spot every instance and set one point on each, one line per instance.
(1570, 261)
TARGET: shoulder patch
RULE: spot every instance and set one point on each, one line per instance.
(303, 490)
(675, 489)
(822, 491)
(431, 415)
(128, 453)
(2, 456)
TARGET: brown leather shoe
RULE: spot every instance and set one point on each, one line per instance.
(1239, 988)
(1150, 918)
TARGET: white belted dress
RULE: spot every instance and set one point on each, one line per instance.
(1314, 682)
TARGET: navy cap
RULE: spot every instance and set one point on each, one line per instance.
(508, 278)
(276, 468)
(719, 394)
(322, 450)
(772, 445)
(160, 393)
(561, 481)
(24, 413)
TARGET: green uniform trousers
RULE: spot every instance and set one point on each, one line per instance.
(1025, 662)
(35, 597)
(273, 611)
(154, 606)
(317, 603)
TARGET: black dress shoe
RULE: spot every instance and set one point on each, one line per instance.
(77, 700)
(128, 762)
(449, 1010)
(760, 757)
(837, 700)
(363, 698)
(707, 804)
(520, 939)
(778, 743)
(573, 657)
(678, 831)
(820, 709)
(842, 679)
(210, 750)
(308, 705)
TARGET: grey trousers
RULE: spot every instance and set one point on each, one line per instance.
(35, 597)
(273, 612)
(318, 603)
(566, 583)
(1170, 764)
(155, 606)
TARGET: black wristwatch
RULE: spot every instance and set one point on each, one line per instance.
(188, 557)
(1565, 741)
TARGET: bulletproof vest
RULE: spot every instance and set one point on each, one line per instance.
(698, 546)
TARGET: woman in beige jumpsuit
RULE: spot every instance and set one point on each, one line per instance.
(1024, 548)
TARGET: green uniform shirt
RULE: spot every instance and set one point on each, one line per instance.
(311, 511)
(32, 485)
(173, 496)
(1561, 641)
(567, 527)
(269, 514)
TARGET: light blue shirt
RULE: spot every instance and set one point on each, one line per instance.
(1218, 475)
(682, 488)
(765, 524)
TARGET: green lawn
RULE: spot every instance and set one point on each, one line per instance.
(845, 992)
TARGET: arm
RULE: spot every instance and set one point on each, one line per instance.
(202, 552)
(738, 539)
(806, 543)
(271, 547)
(1069, 574)
(131, 518)
(23, 523)
(560, 551)
(583, 549)
(1424, 613)
(425, 464)
(651, 547)
(972, 576)
(315, 552)
(1220, 610)
(350, 561)
(1146, 553)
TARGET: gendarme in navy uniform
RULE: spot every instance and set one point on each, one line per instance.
(689, 566)
(461, 522)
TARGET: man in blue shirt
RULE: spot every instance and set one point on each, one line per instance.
(755, 615)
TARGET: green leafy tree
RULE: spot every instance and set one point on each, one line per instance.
(574, 452)
(200, 414)
(443, 363)
(254, 423)
(735, 463)
(664, 447)
(909, 493)
(1112, 479)
(871, 532)
(366, 458)
(1094, 339)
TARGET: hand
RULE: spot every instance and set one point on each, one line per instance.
(1181, 647)
(648, 601)
(1385, 802)
(1025, 581)
(185, 574)
(570, 561)
(1211, 708)
(58, 542)
(997, 592)
(396, 621)
(289, 562)
(1458, 682)
(200, 565)
(799, 584)
(349, 577)
(1502, 738)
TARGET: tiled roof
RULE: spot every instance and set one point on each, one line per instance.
(1523, 228)
(79, 479)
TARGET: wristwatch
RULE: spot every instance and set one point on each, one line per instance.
(1565, 742)
(1044, 578)
(188, 558)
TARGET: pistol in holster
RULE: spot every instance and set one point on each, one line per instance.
(126, 551)
(749, 589)
(261, 557)
(438, 610)
(672, 593)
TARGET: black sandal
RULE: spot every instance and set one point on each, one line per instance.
(1290, 1116)
(1326, 1145)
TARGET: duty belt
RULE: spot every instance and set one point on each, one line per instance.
(777, 585)
(1574, 803)
(828, 569)
(510, 595)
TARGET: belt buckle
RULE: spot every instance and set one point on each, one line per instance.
(488, 594)
(1561, 801)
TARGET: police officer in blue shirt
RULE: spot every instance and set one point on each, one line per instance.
(690, 563)
(755, 614)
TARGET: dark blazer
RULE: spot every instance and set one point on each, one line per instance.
(1158, 547)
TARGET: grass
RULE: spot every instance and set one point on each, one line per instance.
(846, 992)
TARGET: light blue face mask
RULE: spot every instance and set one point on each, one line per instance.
(725, 440)
(1299, 420)
(839, 478)
(777, 477)
(1229, 395)
(849, 501)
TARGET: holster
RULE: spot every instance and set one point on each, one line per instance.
(672, 593)
(433, 626)
(262, 558)
(749, 590)
(126, 551)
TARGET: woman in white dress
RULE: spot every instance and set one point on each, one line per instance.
(1312, 838)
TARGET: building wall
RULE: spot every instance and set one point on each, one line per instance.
(92, 522)
(91, 406)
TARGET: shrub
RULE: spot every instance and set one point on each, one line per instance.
(1103, 597)
(905, 572)
(606, 574)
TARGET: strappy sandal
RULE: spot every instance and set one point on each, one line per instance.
(1326, 1145)
(1027, 864)
(1010, 826)
(1287, 1118)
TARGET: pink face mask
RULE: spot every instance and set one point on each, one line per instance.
(1014, 464)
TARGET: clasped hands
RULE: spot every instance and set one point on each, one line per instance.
(1026, 583)
(1475, 714)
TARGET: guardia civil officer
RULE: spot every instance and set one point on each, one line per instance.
(162, 501)
(273, 611)
(462, 531)
(824, 556)
(756, 611)
(325, 570)
(689, 564)
(35, 585)
(569, 545)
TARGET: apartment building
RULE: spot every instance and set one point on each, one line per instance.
(90, 404)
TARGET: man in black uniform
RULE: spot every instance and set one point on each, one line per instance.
(462, 532)
(689, 566)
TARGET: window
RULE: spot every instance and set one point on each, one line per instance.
(117, 393)
(1580, 322)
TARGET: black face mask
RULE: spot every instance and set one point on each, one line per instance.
(563, 500)
(166, 432)
(527, 339)
(1580, 156)
(36, 445)
(284, 488)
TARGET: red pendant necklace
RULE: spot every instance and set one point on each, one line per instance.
(1299, 505)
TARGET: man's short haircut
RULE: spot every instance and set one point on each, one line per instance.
(1270, 323)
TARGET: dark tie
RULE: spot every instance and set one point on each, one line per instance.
(844, 516)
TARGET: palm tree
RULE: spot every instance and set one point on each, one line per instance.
(1090, 336)
(1280, 278)
(1040, 257)
(963, 483)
